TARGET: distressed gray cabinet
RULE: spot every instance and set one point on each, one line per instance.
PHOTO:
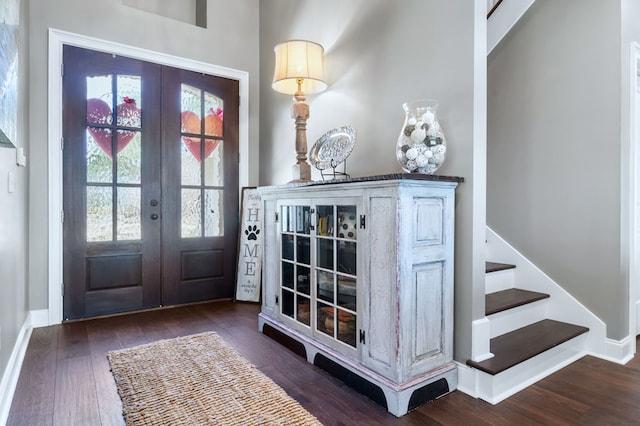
(358, 277)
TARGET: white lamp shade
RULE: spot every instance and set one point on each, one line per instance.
(299, 59)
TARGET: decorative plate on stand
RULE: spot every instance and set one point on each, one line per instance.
(333, 148)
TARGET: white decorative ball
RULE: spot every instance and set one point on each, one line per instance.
(421, 148)
(411, 165)
(418, 135)
(428, 117)
(428, 154)
(412, 153)
(434, 131)
(412, 121)
(421, 161)
(437, 159)
(439, 149)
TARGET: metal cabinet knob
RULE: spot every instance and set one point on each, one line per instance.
(154, 216)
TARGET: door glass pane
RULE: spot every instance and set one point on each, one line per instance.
(347, 292)
(303, 219)
(287, 275)
(325, 253)
(325, 286)
(303, 250)
(191, 98)
(304, 310)
(287, 247)
(213, 218)
(213, 171)
(129, 101)
(213, 107)
(325, 315)
(287, 303)
(347, 327)
(287, 218)
(304, 280)
(347, 257)
(347, 222)
(129, 214)
(99, 213)
(191, 219)
(100, 99)
(99, 163)
(129, 156)
(190, 153)
(325, 221)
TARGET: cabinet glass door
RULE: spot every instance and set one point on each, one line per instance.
(335, 272)
(295, 261)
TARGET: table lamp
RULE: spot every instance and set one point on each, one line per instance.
(299, 71)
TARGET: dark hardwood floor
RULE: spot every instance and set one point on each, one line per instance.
(65, 379)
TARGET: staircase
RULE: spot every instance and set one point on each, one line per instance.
(520, 329)
(527, 343)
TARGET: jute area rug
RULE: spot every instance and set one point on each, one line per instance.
(199, 380)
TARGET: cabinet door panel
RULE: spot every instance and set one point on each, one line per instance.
(379, 351)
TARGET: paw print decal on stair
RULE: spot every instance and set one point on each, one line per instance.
(252, 232)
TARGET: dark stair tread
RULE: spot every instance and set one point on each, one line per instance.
(520, 345)
(511, 298)
(495, 266)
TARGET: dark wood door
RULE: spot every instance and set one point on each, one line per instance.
(136, 229)
(200, 172)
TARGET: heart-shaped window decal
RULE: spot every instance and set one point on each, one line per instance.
(213, 126)
(99, 112)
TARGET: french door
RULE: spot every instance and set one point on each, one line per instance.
(150, 191)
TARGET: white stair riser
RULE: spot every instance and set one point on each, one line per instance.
(494, 389)
(515, 318)
(499, 280)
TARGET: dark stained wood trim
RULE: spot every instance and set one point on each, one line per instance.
(493, 9)
(495, 267)
(508, 299)
(512, 348)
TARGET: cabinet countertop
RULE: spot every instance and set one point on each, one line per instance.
(391, 176)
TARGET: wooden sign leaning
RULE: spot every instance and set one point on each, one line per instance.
(250, 247)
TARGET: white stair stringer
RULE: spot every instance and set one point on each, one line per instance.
(494, 389)
(503, 19)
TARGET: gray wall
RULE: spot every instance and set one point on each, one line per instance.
(554, 149)
(13, 220)
(379, 55)
(230, 40)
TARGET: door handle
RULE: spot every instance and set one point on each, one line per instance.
(154, 216)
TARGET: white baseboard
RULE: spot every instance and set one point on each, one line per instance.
(12, 371)
(618, 351)
(637, 330)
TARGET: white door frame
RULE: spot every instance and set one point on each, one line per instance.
(57, 39)
(634, 197)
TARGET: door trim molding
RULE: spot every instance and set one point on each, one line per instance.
(630, 208)
(58, 38)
